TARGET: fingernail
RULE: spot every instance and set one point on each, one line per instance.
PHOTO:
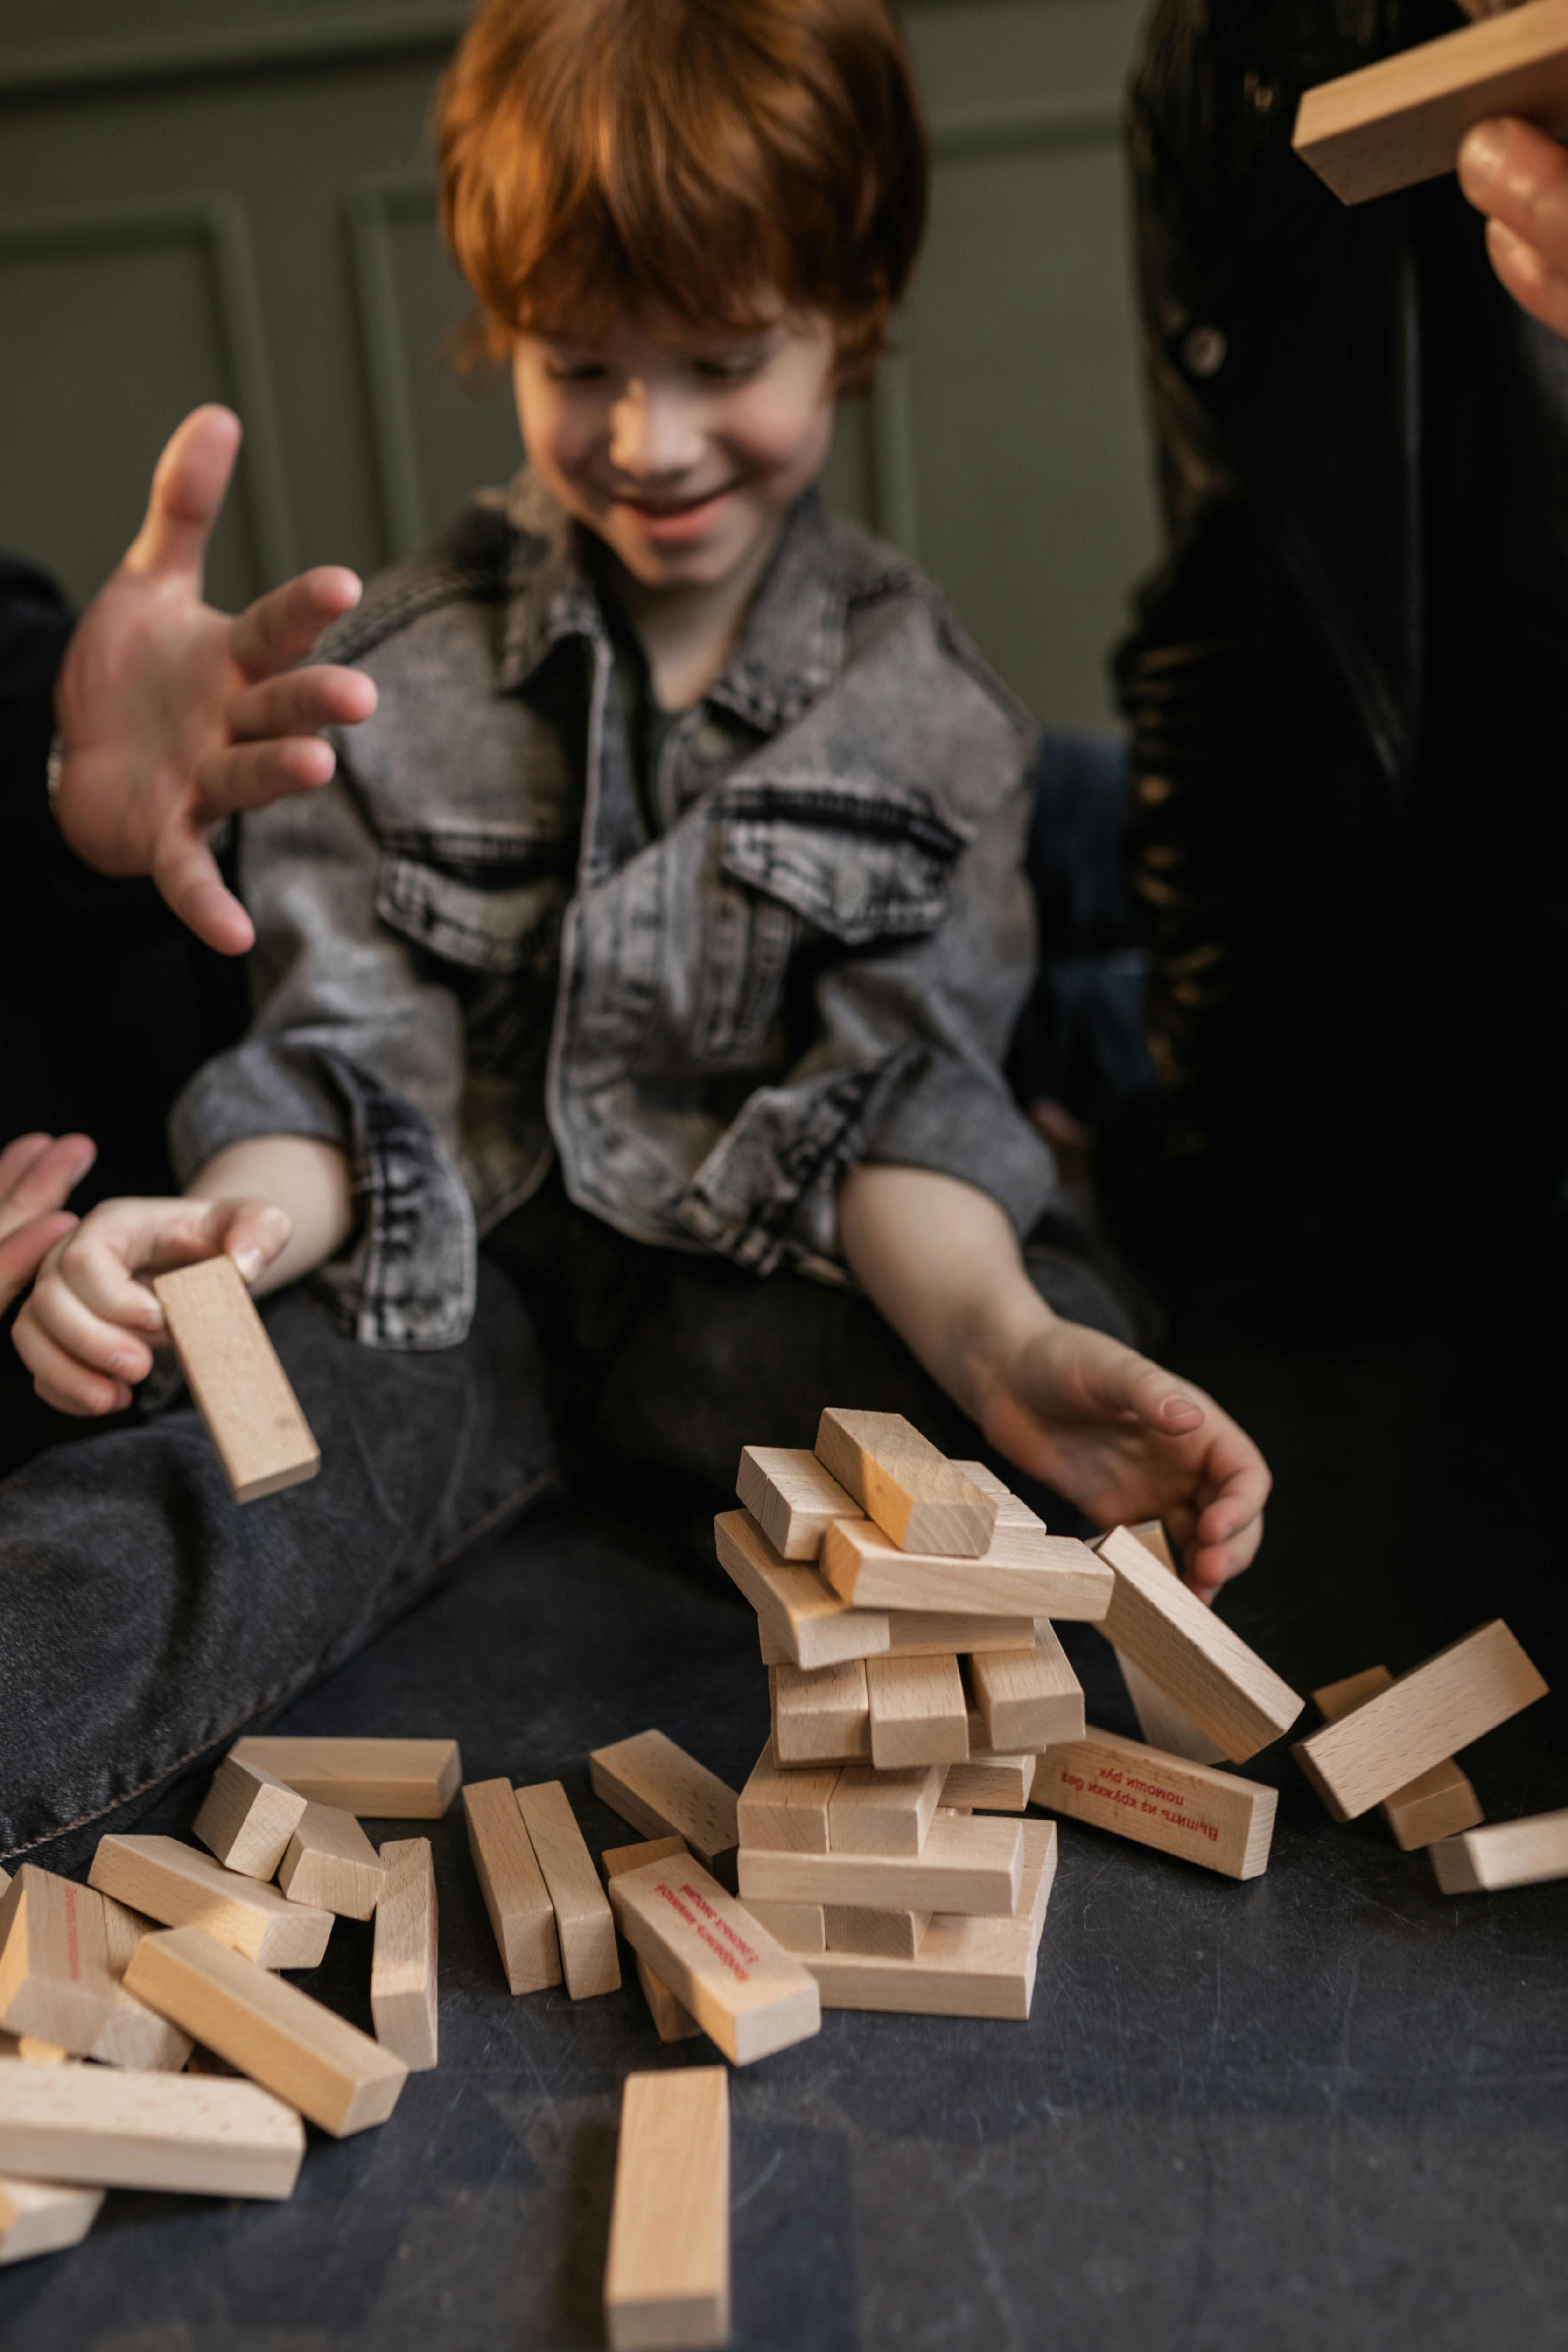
(249, 1261)
(1482, 152)
(124, 1365)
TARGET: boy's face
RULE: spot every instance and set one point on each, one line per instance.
(681, 448)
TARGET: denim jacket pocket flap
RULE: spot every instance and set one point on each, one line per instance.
(490, 925)
(860, 862)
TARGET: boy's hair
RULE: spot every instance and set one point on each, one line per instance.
(698, 154)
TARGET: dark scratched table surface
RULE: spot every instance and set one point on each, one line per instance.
(1326, 2108)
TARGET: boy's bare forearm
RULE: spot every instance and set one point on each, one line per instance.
(307, 1179)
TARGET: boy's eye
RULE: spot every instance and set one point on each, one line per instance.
(731, 368)
(577, 370)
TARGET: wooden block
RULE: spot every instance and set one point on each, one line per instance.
(232, 1370)
(28, 2050)
(521, 1914)
(1214, 1818)
(964, 1967)
(61, 1967)
(173, 1883)
(820, 1716)
(1391, 124)
(332, 1864)
(1439, 1804)
(901, 1480)
(248, 1818)
(1207, 1669)
(293, 2046)
(1021, 1575)
(37, 2218)
(403, 1975)
(799, 1927)
(744, 1989)
(199, 2133)
(990, 1784)
(967, 1866)
(1504, 1853)
(929, 1634)
(390, 1779)
(881, 1934)
(792, 1498)
(1160, 1719)
(671, 2023)
(1027, 1698)
(806, 1624)
(664, 1792)
(918, 1712)
(582, 1918)
(1436, 1709)
(882, 1812)
(666, 2282)
(785, 1812)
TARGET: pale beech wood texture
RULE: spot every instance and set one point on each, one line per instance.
(1022, 1574)
(1504, 1853)
(31, 2052)
(1429, 1713)
(1391, 124)
(664, 1792)
(926, 1634)
(792, 1498)
(330, 1863)
(785, 1812)
(389, 1779)
(516, 1897)
(63, 1950)
(671, 2023)
(173, 1883)
(918, 1713)
(205, 2134)
(799, 1927)
(964, 1865)
(37, 2218)
(248, 1818)
(404, 1968)
(582, 1918)
(270, 2030)
(821, 1716)
(901, 1480)
(1436, 1804)
(1206, 1816)
(805, 1623)
(666, 2281)
(1159, 1720)
(232, 1370)
(1207, 1669)
(883, 1812)
(990, 1784)
(879, 1934)
(1027, 1698)
(747, 1993)
(964, 1967)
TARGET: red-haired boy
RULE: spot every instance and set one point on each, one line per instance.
(629, 1011)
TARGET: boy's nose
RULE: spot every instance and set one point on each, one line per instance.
(654, 433)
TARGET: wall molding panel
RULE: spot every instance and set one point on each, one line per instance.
(326, 37)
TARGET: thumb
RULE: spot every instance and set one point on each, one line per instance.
(188, 488)
(1120, 1384)
(254, 1233)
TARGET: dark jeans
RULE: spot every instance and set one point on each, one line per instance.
(147, 1620)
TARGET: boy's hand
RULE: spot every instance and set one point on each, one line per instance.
(1126, 1441)
(88, 1331)
(39, 1174)
(1518, 177)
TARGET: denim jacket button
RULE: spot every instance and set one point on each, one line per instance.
(711, 741)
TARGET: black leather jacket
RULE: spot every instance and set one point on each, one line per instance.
(1345, 683)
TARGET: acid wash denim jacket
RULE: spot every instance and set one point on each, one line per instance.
(474, 957)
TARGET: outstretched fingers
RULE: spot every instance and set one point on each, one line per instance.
(189, 485)
(24, 1250)
(187, 875)
(280, 627)
(40, 1173)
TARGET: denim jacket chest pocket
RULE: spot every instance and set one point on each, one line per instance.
(489, 903)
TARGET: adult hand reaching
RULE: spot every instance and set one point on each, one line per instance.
(38, 1175)
(1518, 178)
(173, 716)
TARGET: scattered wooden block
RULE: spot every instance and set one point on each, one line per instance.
(1207, 1669)
(1021, 1575)
(785, 1812)
(965, 1866)
(918, 1712)
(666, 2282)
(879, 1934)
(1436, 1709)
(882, 1812)
(1166, 1801)
(389, 1779)
(240, 1388)
(744, 1989)
(1439, 1804)
(291, 2044)
(671, 2023)
(1391, 124)
(173, 1883)
(1160, 1719)
(799, 1927)
(37, 2218)
(111, 2129)
(664, 1792)
(403, 1976)
(807, 1625)
(1027, 1698)
(792, 1498)
(62, 1965)
(990, 1784)
(248, 1818)
(822, 1715)
(582, 1918)
(332, 1864)
(1504, 1853)
(964, 1967)
(512, 1884)
(901, 1480)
